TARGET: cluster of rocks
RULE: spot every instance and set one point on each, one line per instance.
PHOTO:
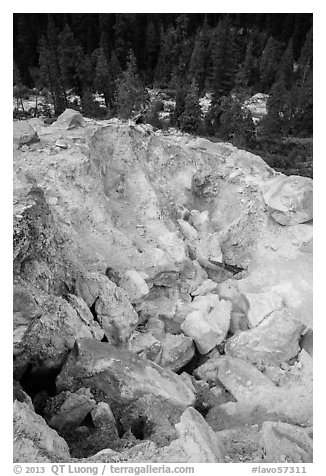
(177, 360)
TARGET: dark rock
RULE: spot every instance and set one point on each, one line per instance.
(119, 377)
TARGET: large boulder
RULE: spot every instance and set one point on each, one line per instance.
(261, 305)
(25, 310)
(119, 377)
(70, 119)
(24, 133)
(241, 379)
(273, 341)
(290, 199)
(284, 443)
(134, 284)
(177, 351)
(208, 329)
(49, 338)
(34, 441)
(115, 313)
(67, 410)
(195, 443)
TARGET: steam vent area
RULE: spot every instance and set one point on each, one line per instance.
(162, 298)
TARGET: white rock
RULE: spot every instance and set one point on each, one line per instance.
(285, 443)
(34, 441)
(208, 330)
(290, 199)
(261, 305)
(208, 247)
(188, 231)
(134, 284)
(206, 287)
(200, 220)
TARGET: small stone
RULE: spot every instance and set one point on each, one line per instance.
(61, 144)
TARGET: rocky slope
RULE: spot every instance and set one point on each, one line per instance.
(162, 298)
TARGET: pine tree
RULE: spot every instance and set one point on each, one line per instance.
(181, 51)
(180, 102)
(68, 57)
(198, 65)
(102, 76)
(51, 74)
(236, 124)
(285, 68)
(301, 94)
(275, 124)
(125, 31)
(223, 60)
(163, 70)
(247, 75)
(190, 119)
(151, 48)
(305, 62)
(269, 62)
(131, 94)
(114, 73)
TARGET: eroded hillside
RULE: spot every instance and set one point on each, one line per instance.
(162, 298)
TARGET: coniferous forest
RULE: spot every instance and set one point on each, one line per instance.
(227, 57)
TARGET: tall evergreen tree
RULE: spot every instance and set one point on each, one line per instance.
(68, 56)
(164, 67)
(190, 119)
(50, 66)
(275, 123)
(236, 124)
(248, 74)
(102, 76)
(223, 60)
(199, 61)
(269, 62)
(131, 94)
(125, 31)
(151, 47)
(305, 63)
(285, 68)
(114, 73)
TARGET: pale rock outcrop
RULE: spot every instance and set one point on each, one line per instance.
(69, 119)
(24, 134)
(177, 351)
(208, 248)
(208, 329)
(115, 313)
(34, 441)
(188, 231)
(273, 341)
(261, 305)
(134, 284)
(145, 345)
(207, 286)
(290, 199)
(200, 220)
(241, 379)
(85, 315)
(284, 443)
(25, 310)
